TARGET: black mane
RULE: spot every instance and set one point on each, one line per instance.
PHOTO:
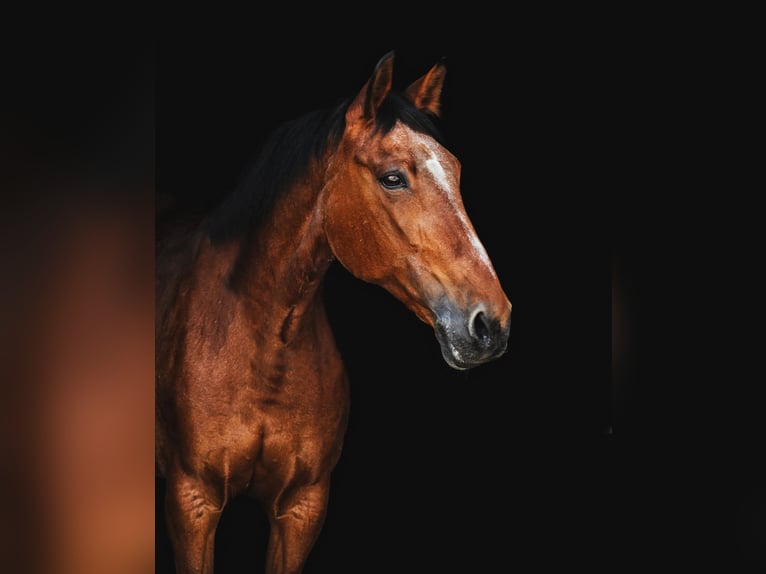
(289, 151)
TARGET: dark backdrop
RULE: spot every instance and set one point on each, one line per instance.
(534, 459)
(440, 468)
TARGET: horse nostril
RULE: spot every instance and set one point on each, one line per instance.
(479, 327)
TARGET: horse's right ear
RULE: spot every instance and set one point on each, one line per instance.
(425, 93)
(366, 103)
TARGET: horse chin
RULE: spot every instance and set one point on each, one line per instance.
(453, 356)
(452, 360)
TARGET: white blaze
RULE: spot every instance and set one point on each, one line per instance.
(437, 171)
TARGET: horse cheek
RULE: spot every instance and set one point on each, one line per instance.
(343, 233)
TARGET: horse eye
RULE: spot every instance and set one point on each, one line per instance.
(393, 180)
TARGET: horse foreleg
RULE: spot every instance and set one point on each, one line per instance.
(295, 527)
(192, 515)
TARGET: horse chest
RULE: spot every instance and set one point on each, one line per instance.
(292, 415)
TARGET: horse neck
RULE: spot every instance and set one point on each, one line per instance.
(282, 263)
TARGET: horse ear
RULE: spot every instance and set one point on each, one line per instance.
(373, 92)
(425, 92)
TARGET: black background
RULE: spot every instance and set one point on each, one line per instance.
(538, 460)
(608, 157)
(439, 468)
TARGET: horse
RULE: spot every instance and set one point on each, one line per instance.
(251, 393)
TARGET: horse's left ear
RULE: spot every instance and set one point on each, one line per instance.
(425, 93)
(373, 93)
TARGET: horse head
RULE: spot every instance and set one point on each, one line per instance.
(394, 216)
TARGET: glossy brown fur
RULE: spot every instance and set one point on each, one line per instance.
(252, 396)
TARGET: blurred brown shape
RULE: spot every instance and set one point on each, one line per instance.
(76, 481)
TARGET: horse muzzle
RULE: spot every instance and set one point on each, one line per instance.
(469, 338)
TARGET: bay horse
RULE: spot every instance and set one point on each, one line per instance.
(251, 393)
